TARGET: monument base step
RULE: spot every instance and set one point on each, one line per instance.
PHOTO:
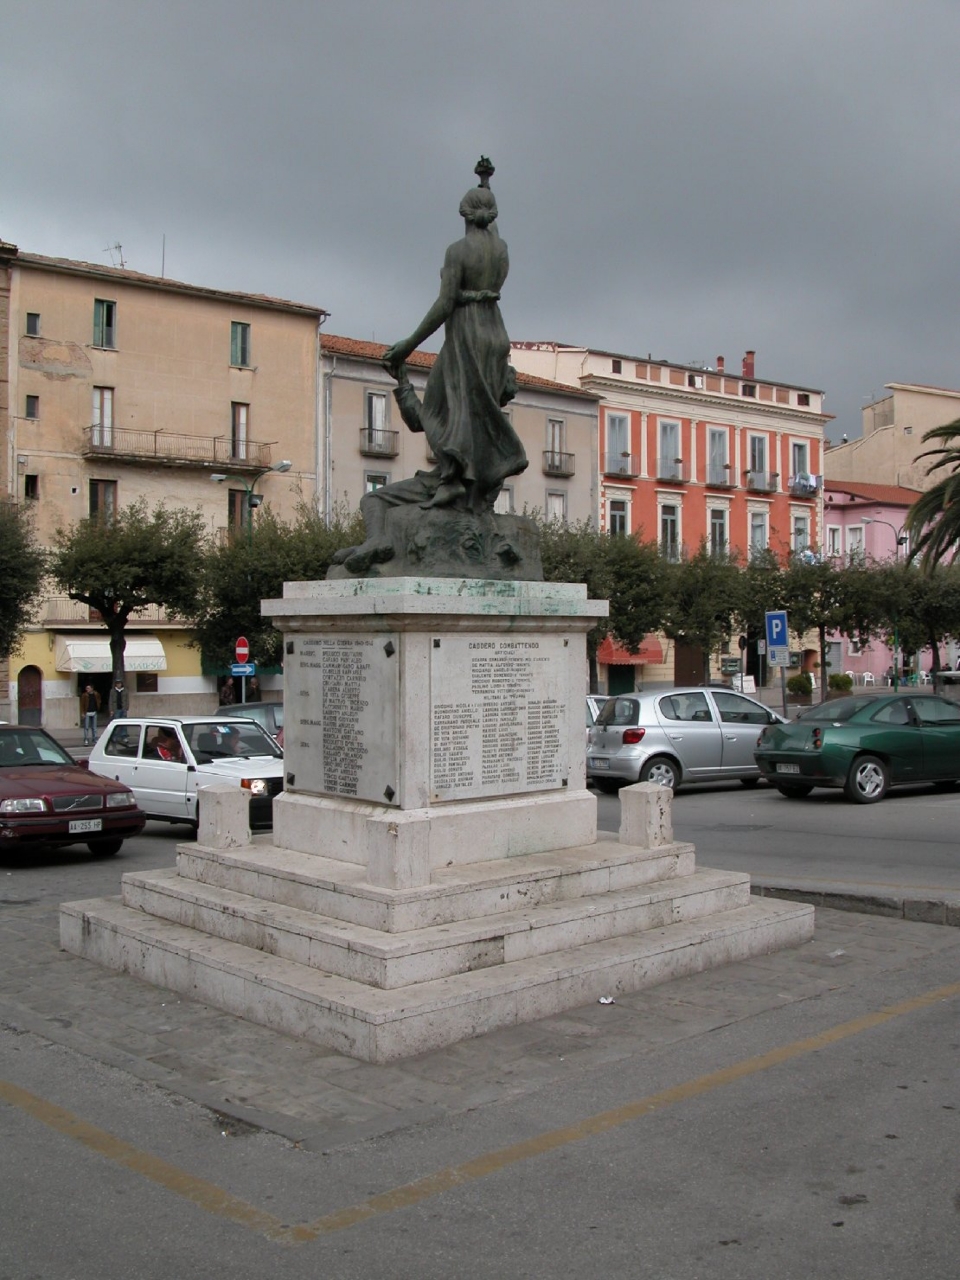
(378, 1025)
(341, 891)
(393, 960)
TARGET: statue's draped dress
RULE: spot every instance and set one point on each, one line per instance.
(468, 432)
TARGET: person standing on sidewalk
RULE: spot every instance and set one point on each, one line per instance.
(89, 706)
(118, 700)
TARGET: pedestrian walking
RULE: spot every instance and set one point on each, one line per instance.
(253, 690)
(228, 695)
(118, 700)
(89, 706)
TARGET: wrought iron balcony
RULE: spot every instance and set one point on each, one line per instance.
(171, 449)
(59, 611)
(720, 477)
(556, 463)
(804, 485)
(379, 444)
(763, 481)
(621, 464)
(673, 470)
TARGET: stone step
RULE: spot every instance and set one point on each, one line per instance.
(392, 960)
(338, 889)
(381, 1026)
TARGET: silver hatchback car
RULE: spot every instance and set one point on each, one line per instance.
(676, 736)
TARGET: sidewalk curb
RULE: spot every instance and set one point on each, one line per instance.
(921, 910)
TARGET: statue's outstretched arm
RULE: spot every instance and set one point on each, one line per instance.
(438, 314)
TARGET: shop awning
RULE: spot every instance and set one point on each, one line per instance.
(84, 653)
(612, 654)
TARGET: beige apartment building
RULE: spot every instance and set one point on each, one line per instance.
(116, 385)
(893, 429)
(365, 444)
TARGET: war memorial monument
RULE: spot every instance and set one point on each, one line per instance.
(435, 869)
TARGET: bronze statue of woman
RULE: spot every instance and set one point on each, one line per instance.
(470, 381)
(462, 415)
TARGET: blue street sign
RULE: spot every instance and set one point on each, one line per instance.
(243, 669)
(778, 638)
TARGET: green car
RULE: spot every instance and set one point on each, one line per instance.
(864, 744)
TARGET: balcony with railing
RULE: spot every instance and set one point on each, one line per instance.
(673, 470)
(804, 485)
(375, 443)
(61, 611)
(762, 481)
(621, 464)
(173, 449)
(556, 463)
(720, 476)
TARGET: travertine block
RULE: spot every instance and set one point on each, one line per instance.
(645, 815)
(224, 816)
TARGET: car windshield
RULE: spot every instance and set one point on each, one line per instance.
(30, 746)
(840, 710)
(227, 737)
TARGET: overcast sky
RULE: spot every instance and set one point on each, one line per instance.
(679, 177)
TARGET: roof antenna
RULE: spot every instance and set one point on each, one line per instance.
(115, 249)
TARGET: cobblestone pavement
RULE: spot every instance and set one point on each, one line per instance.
(322, 1098)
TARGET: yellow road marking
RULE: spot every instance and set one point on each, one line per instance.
(214, 1200)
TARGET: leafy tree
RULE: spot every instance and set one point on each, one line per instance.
(623, 570)
(253, 566)
(816, 597)
(22, 566)
(137, 559)
(703, 591)
(933, 522)
(918, 610)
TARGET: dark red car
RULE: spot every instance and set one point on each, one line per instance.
(46, 798)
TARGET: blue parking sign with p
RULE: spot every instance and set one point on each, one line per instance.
(778, 637)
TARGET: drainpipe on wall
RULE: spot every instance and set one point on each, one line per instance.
(328, 375)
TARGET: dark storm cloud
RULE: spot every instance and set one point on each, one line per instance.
(689, 179)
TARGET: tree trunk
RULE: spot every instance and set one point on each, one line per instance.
(824, 679)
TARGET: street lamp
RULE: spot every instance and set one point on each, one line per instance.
(252, 499)
(902, 540)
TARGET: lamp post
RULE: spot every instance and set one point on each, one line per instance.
(901, 541)
(252, 499)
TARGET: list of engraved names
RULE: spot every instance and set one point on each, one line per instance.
(341, 717)
(496, 716)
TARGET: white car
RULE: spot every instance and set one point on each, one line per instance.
(167, 760)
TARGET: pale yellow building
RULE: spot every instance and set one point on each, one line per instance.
(893, 429)
(116, 385)
(365, 444)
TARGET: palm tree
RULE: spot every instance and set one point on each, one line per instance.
(933, 522)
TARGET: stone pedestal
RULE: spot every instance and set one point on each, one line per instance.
(435, 869)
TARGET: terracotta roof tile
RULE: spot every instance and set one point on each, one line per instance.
(124, 274)
(333, 344)
(893, 495)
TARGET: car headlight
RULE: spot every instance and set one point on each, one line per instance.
(31, 804)
(256, 786)
(120, 799)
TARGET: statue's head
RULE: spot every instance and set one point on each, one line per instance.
(479, 207)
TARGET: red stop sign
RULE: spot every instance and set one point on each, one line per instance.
(243, 649)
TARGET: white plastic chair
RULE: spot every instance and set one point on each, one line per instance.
(868, 678)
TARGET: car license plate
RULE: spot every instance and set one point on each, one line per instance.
(597, 762)
(75, 827)
(788, 768)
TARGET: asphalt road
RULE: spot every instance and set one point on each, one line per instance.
(793, 1116)
(908, 841)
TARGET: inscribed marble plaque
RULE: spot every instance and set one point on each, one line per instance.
(340, 737)
(497, 716)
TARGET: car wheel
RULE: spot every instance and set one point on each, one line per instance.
(107, 847)
(794, 790)
(662, 771)
(868, 780)
(749, 783)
